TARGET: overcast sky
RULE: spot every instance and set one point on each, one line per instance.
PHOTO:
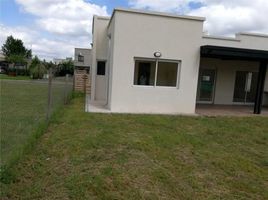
(52, 28)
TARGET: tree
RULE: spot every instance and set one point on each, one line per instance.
(48, 65)
(37, 68)
(66, 67)
(14, 46)
(15, 51)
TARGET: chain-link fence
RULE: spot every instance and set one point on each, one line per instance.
(26, 108)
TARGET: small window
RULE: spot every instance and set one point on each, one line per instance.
(80, 58)
(167, 74)
(101, 68)
(144, 72)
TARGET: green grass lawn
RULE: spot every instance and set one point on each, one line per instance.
(23, 110)
(4, 77)
(117, 156)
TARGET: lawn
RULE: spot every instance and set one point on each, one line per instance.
(116, 156)
(23, 112)
(4, 77)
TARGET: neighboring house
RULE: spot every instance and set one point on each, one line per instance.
(3, 63)
(82, 62)
(151, 62)
(82, 58)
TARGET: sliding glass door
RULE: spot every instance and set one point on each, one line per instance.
(245, 87)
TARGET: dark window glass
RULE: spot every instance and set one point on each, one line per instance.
(80, 58)
(167, 73)
(101, 68)
(144, 72)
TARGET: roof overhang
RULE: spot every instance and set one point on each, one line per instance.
(232, 53)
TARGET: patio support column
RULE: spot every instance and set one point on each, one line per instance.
(260, 87)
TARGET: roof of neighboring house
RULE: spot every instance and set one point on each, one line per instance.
(83, 48)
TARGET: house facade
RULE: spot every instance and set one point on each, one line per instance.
(150, 62)
(82, 63)
(82, 58)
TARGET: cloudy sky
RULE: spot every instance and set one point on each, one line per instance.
(52, 28)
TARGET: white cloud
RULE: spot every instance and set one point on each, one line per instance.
(224, 17)
(229, 17)
(23, 33)
(63, 17)
(59, 26)
(44, 47)
(161, 5)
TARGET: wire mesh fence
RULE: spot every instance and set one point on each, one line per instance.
(26, 107)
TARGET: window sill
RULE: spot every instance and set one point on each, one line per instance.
(156, 87)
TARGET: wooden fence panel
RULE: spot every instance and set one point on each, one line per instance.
(82, 81)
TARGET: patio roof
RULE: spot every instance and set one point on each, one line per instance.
(233, 53)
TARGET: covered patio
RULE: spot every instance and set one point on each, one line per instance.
(232, 81)
(227, 110)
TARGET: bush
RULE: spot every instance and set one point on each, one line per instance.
(38, 71)
(37, 68)
(65, 68)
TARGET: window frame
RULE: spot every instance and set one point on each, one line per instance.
(157, 60)
(81, 56)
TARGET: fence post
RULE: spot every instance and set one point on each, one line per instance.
(65, 89)
(49, 93)
(85, 83)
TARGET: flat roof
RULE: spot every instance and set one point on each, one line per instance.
(161, 14)
(82, 48)
(253, 34)
(221, 38)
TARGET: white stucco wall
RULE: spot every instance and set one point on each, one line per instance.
(87, 57)
(131, 34)
(140, 35)
(242, 40)
(99, 52)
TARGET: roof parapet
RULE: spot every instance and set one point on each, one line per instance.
(252, 34)
(221, 38)
(163, 14)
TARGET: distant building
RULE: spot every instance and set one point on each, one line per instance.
(82, 58)
(82, 62)
(3, 63)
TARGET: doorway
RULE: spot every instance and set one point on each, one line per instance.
(101, 82)
(245, 87)
(206, 85)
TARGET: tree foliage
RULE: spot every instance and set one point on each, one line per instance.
(37, 68)
(14, 46)
(15, 51)
(64, 68)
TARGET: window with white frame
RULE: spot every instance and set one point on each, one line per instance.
(156, 72)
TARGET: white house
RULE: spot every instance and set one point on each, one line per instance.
(82, 58)
(151, 62)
